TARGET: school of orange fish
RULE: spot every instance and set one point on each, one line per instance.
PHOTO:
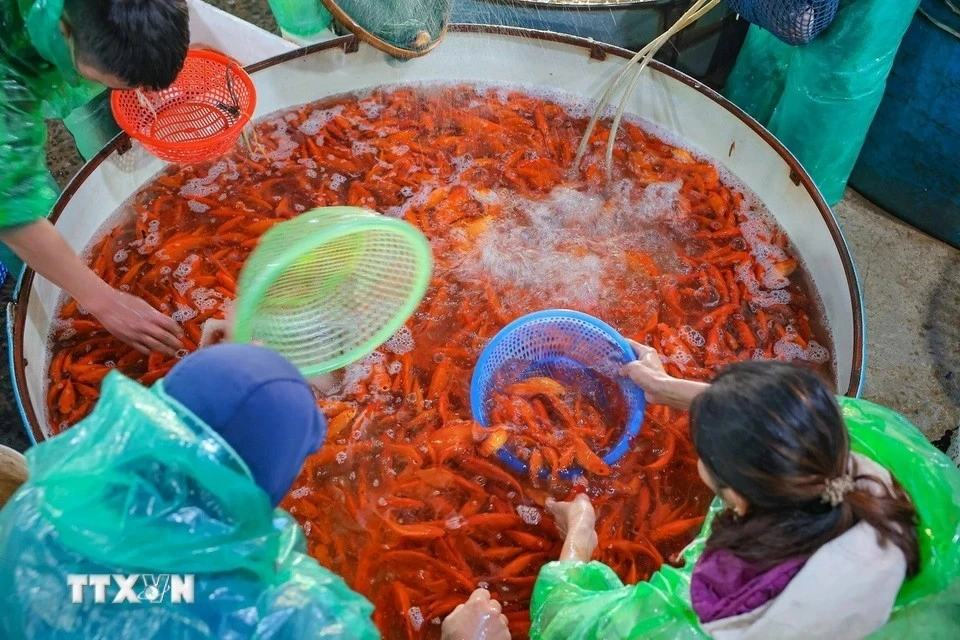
(407, 500)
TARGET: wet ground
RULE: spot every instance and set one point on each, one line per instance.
(910, 284)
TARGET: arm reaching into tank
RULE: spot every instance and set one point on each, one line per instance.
(127, 317)
(647, 372)
(577, 521)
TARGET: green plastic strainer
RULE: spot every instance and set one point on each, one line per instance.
(328, 287)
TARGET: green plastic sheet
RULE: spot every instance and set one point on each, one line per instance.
(141, 486)
(38, 82)
(819, 99)
(587, 600)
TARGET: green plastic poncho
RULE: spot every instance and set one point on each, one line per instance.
(819, 99)
(141, 487)
(39, 81)
(573, 600)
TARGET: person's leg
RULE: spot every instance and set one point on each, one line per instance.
(757, 80)
(833, 88)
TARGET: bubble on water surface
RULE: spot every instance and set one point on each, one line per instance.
(530, 515)
(455, 522)
(182, 286)
(337, 181)
(121, 255)
(693, 336)
(300, 492)
(197, 206)
(416, 618)
(183, 314)
(318, 119)
(401, 342)
(341, 457)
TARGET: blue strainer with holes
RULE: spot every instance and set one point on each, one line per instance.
(568, 346)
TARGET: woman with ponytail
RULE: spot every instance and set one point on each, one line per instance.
(815, 541)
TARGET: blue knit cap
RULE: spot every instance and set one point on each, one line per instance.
(259, 404)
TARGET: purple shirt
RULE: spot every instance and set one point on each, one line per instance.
(724, 585)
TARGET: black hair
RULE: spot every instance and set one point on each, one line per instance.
(773, 432)
(142, 42)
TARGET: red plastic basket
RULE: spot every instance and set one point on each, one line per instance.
(199, 116)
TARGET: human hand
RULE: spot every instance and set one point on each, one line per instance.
(647, 372)
(574, 514)
(577, 521)
(135, 322)
(479, 618)
(212, 329)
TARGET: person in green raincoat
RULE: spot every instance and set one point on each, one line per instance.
(174, 489)
(55, 55)
(814, 72)
(823, 507)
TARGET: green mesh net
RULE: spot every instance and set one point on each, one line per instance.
(404, 28)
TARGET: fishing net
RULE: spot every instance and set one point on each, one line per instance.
(143, 487)
(820, 99)
(573, 348)
(328, 287)
(793, 21)
(587, 600)
(402, 28)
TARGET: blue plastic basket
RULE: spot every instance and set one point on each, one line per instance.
(565, 345)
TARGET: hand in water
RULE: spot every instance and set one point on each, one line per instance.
(577, 514)
(137, 323)
(577, 521)
(647, 372)
(479, 618)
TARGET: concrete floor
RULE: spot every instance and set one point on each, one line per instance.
(910, 281)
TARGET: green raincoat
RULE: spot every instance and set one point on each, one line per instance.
(142, 487)
(820, 98)
(39, 82)
(582, 601)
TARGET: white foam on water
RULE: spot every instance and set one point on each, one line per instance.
(337, 181)
(182, 286)
(787, 350)
(693, 336)
(301, 492)
(183, 314)
(530, 515)
(402, 342)
(121, 255)
(563, 247)
(207, 185)
(318, 119)
(416, 618)
(359, 148)
(197, 207)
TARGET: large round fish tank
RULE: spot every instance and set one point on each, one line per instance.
(582, 68)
